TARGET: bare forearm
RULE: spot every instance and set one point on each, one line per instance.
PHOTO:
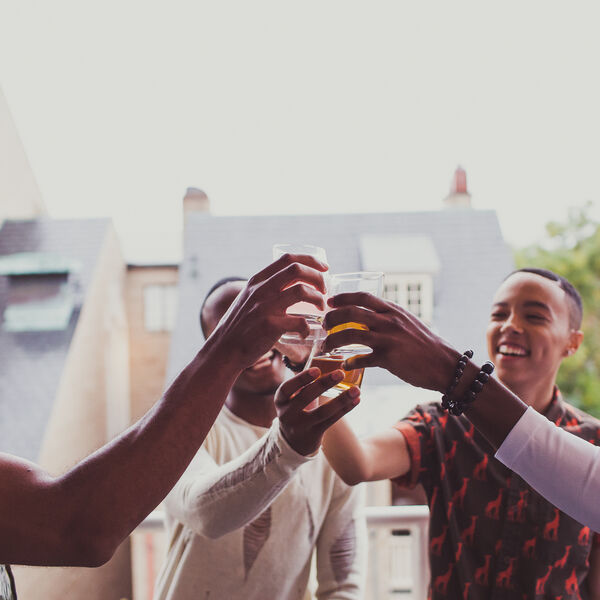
(109, 493)
(345, 453)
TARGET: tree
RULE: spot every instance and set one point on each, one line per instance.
(572, 249)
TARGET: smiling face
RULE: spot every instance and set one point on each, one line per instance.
(529, 332)
(268, 372)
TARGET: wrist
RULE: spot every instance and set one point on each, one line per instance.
(222, 362)
(445, 368)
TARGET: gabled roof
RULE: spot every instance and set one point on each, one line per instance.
(31, 363)
(472, 254)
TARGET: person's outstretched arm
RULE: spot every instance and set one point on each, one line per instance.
(404, 345)
(381, 456)
(561, 467)
(82, 516)
(213, 500)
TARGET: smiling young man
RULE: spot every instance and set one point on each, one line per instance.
(491, 535)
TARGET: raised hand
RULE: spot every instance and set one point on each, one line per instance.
(401, 343)
(257, 318)
(303, 429)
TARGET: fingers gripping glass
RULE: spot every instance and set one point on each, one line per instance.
(313, 316)
(362, 281)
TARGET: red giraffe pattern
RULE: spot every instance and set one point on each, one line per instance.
(503, 578)
(469, 434)
(584, 537)
(571, 585)
(433, 498)
(529, 548)
(466, 590)
(498, 546)
(562, 562)
(459, 551)
(468, 534)
(441, 581)
(540, 584)
(443, 420)
(515, 513)
(551, 528)
(482, 574)
(449, 510)
(492, 510)
(479, 472)
(459, 495)
(435, 546)
(451, 453)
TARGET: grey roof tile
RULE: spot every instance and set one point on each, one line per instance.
(31, 363)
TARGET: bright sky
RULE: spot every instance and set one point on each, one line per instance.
(313, 106)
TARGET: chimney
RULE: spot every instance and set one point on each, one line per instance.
(459, 196)
(195, 200)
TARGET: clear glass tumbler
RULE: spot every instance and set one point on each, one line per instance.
(313, 316)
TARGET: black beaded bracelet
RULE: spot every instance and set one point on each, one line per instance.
(458, 405)
(460, 367)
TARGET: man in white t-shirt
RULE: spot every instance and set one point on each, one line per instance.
(259, 498)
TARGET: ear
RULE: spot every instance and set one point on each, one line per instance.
(575, 339)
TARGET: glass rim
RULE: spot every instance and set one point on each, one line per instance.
(291, 245)
(357, 275)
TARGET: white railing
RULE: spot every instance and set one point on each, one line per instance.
(398, 563)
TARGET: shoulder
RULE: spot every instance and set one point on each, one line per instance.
(581, 423)
(425, 415)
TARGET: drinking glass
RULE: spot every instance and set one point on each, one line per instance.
(365, 281)
(313, 316)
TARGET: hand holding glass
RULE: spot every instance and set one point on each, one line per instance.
(312, 314)
(362, 281)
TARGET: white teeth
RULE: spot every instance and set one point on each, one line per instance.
(511, 350)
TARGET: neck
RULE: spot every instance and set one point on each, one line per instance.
(256, 409)
(537, 394)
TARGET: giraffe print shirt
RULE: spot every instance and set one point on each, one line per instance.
(492, 536)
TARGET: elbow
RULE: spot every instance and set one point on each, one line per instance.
(212, 533)
(352, 479)
(89, 549)
(353, 476)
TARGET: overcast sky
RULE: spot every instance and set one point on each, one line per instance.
(313, 106)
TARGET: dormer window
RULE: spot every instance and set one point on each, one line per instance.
(409, 263)
(413, 292)
(41, 292)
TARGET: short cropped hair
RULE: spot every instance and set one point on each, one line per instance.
(213, 289)
(574, 302)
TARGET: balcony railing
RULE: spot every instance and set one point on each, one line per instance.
(398, 564)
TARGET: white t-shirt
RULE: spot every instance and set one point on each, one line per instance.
(563, 468)
(245, 517)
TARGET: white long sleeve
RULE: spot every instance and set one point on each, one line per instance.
(244, 520)
(563, 468)
(212, 499)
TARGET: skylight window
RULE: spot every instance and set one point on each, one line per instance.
(40, 296)
(38, 303)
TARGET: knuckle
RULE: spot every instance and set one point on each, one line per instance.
(295, 269)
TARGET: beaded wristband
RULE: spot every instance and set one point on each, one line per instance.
(458, 405)
(460, 367)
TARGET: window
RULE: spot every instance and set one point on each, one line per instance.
(38, 303)
(160, 307)
(413, 292)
